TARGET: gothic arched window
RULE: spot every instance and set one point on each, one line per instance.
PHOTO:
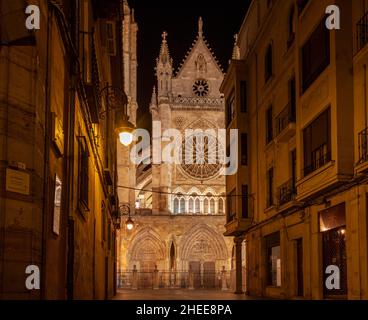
(206, 206)
(221, 206)
(212, 206)
(197, 206)
(191, 205)
(182, 205)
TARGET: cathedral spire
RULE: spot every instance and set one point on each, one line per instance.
(164, 69)
(200, 27)
(164, 57)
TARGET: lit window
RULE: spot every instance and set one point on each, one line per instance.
(57, 205)
(273, 260)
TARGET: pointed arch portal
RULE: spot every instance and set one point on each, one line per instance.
(202, 243)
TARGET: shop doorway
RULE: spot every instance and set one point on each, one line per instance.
(332, 226)
(299, 267)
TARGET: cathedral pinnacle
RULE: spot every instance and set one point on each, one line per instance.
(126, 8)
(236, 49)
(200, 27)
(154, 98)
(164, 51)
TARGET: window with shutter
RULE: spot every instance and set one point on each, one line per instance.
(315, 55)
(83, 172)
(317, 143)
(111, 38)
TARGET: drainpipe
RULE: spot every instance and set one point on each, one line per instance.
(46, 173)
(365, 96)
(69, 169)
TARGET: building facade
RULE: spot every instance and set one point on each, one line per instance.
(297, 92)
(61, 94)
(180, 207)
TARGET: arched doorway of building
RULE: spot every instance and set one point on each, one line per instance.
(206, 254)
(147, 253)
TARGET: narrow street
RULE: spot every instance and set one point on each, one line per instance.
(167, 150)
(179, 295)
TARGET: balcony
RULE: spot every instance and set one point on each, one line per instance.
(320, 157)
(231, 217)
(285, 124)
(363, 146)
(286, 192)
(362, 32)
(235, 226)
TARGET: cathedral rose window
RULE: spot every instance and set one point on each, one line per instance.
(201, 154)
(201, 88)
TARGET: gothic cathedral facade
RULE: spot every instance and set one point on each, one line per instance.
(180, 209)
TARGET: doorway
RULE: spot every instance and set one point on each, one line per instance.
(195, 267)
(333, 228)
(299, 267)
(146, 274)
(334, 253)
(209, 275)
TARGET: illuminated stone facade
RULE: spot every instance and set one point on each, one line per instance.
(179, 225)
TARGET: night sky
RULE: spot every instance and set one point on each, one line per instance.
(222, 19)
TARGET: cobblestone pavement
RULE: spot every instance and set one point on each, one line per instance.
(179, 295)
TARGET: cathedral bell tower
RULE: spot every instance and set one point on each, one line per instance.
(161, 111)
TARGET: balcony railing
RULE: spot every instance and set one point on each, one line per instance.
(363, 146)
(231, 217)
(286, 192)
(362, 32)
(197, 102)
(318, 161)
(285, 117)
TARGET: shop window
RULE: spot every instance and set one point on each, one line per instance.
(273, 251)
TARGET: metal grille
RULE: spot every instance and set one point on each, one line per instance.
(285, 117)
(207, 280)
(286, 192)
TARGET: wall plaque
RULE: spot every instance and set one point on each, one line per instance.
(17, 181)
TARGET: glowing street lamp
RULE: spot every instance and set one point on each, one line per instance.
(125, 210)
(129, 224)
(117, 100)
(124, 131)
